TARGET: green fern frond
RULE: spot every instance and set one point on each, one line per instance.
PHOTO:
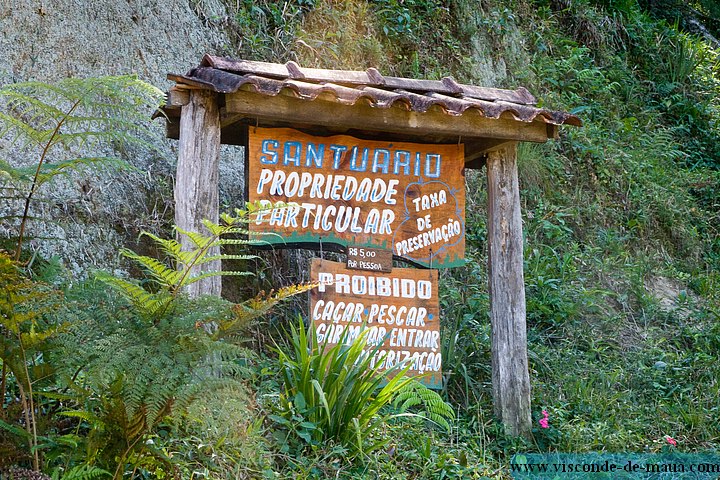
(107, 108)
(172, 278)
(48, 171)
(89, 417)
(200, 240)
(55, 395)
(148, 304)
(158, 270)
(159, 399)
(51, 123)
(168, 245)
(236, 241)
(11, 173)
(23, 132)
(216, 230)
(258, 306)
(85, 472)
(212, 258)
(434, 408)
(14, 429)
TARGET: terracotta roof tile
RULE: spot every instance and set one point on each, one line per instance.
(349, 87)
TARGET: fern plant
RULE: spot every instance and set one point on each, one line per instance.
(133, 368)
(127, 376)
(24, 340)
(428, 402)
(169, 279)
(81, 472)
(52, 127)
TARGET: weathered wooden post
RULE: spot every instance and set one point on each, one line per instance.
(510, 376)
(196, 181)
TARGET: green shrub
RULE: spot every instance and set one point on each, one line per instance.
(338, 393)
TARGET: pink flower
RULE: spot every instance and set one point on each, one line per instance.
(671, 440)
(544, 422)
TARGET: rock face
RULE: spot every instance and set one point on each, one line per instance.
(92, 216)
(44, 40)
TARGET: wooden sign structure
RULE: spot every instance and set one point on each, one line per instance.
(405, 197)
(400, 309)
(223, 100)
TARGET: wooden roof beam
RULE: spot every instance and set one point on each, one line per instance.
(470, 125)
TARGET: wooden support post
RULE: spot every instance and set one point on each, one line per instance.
(510, 377)
(197, 177)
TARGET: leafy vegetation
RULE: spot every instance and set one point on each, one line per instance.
(622, 254)
(338, 392)
(53, 126)
(115, 370)
(23, 341)
(170, 280)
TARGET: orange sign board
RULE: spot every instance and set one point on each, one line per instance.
(405, 197)
(400, 309)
